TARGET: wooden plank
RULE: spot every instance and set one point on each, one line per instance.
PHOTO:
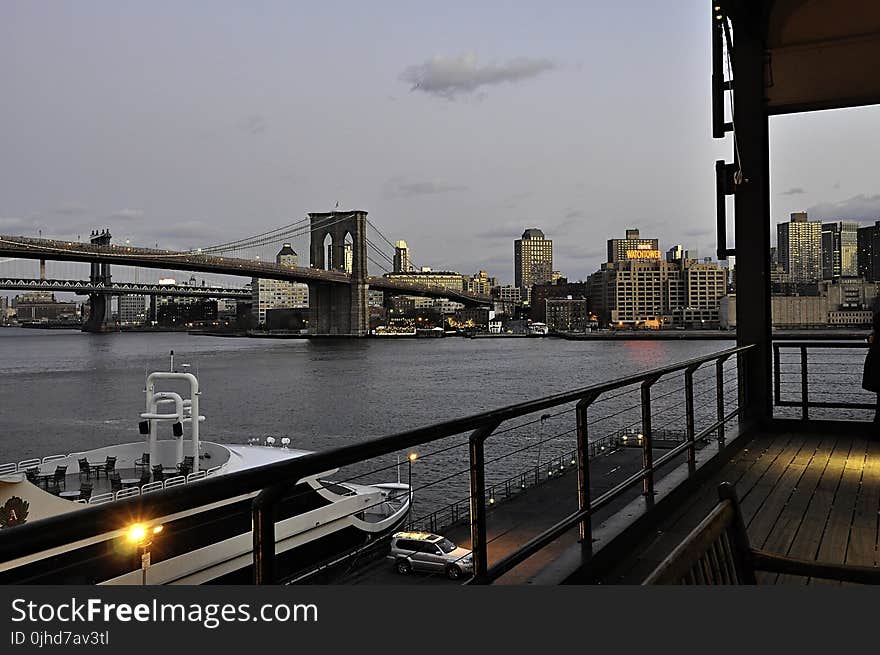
(756, 487)
(806, 542)
(836, 536)
(794, 512)
(862, 546)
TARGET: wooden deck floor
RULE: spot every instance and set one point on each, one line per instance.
(813, 496)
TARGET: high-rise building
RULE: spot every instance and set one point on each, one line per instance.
(652, 292)
(839, 250)
(675, 253)
(799, 248)
(480, 283)
(532, 261)
(278, 294)
(868, 246)
(632, 247)
(132, 310)
(401, 257)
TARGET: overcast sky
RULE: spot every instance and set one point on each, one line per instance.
(456, 125)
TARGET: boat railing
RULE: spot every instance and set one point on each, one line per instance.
(703, 395)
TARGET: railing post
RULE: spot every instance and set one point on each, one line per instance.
(585, 527)
(263, 515)
(647, 441)
(479, 546)
(805, 411)
(689, 413)
(777, 374)
(719, 398)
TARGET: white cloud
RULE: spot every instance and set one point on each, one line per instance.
(449, 76)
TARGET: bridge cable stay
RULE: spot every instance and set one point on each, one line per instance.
(386, 240)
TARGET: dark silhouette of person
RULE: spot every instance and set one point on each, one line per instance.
(871, 375)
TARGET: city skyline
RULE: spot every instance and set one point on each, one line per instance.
(469, 126)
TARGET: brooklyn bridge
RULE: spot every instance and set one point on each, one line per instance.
(337, 288)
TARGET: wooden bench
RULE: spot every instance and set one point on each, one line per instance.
(717, 552)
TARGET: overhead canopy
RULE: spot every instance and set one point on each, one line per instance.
(823, 54)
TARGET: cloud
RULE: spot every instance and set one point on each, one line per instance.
(253, 124)
(447, 77)
(14, 224)
(510, 230)
(696, 232)
(127, 214)
(398, 188)
(793, 191)
(858, 208)
(71, 209)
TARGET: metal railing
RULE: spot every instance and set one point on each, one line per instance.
(820, 375)
(274, 481)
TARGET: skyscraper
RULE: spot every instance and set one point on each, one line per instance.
(401, 257)
(532, 261)
(839, 250)
(799, 248)
(868, 240)
(632, 247)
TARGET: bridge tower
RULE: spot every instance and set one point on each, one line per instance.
(334, 308)
(100, 315)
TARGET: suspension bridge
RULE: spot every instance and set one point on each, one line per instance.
(339, 247)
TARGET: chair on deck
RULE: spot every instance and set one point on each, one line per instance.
(187, 465)
(145, 476)
(85, 490)
(33, 474)
(158, 473)
(115, 481)
(85, 468)
(717, 552)
(110, 466)
(143, 462)
(59, 478)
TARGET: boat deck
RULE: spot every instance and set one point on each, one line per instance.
(812, 496)
(100, 481)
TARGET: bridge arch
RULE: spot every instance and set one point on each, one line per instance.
(339, 310)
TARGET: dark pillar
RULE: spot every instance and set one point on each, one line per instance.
(100, 315)
(752, 206)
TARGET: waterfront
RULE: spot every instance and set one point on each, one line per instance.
(66, 391)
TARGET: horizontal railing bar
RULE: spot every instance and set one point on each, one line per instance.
(827, 405)
(817, 344)
(63, 529)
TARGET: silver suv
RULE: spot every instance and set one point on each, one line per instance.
(423, 551)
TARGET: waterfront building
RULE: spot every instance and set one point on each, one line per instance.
(532, 261)
(839, 250)
(176, 311)
(428, 278)
(132, 310)
(269, 294)
(562, 288)
(569, 314)
(402, 262)
(799, 248)
(40, 307)
(472, 318)
(653, 293)
(632, 247)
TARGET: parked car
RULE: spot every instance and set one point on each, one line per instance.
(423, 551)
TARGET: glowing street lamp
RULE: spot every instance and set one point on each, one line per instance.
(141, 535)
(413, 456)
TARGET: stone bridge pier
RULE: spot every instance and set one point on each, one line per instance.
(100, 314)
(338, 309)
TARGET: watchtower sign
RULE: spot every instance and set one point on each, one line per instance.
(14, 512)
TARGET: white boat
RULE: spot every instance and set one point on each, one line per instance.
(318, 523)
